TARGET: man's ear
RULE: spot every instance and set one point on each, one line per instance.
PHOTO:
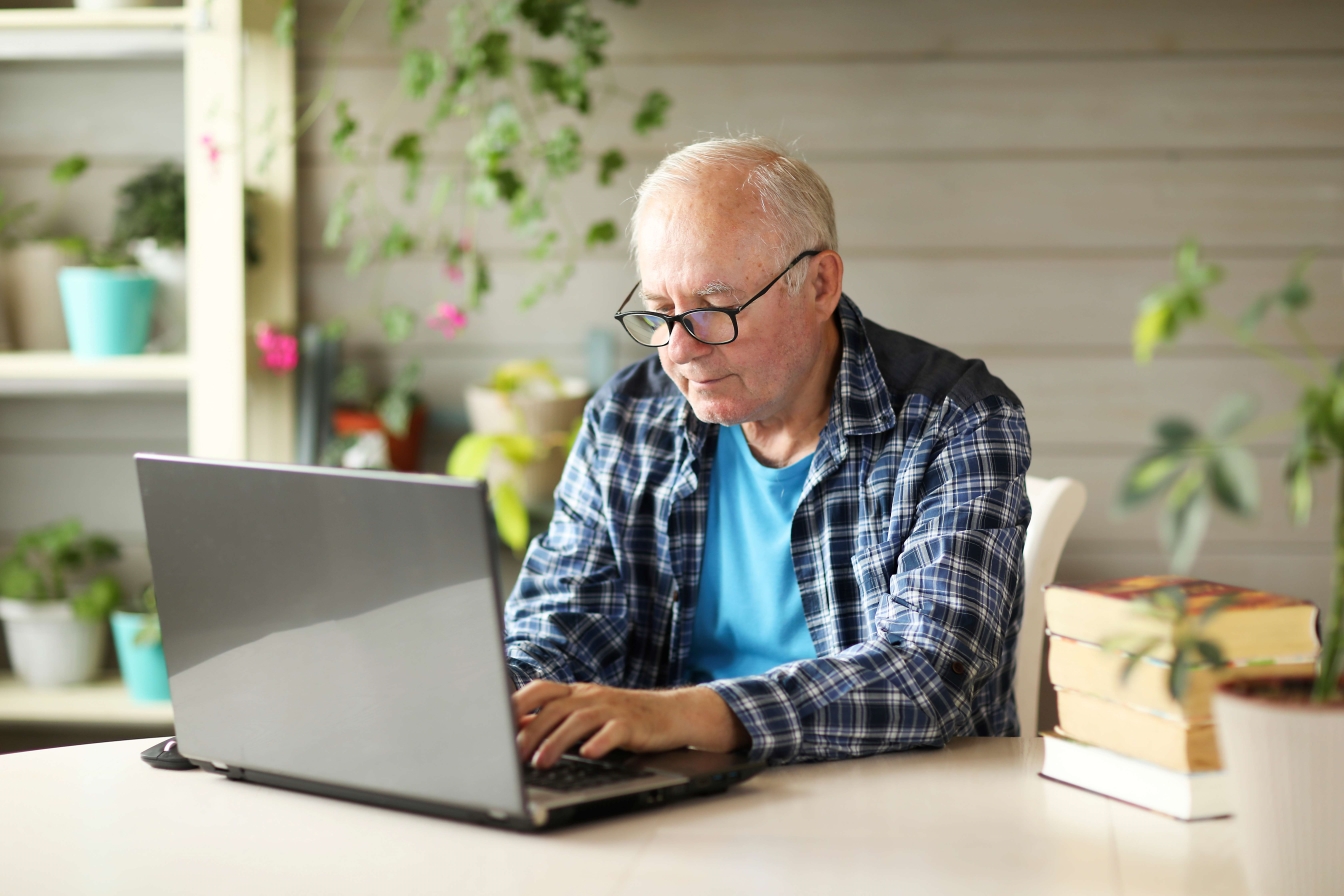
(827, 279)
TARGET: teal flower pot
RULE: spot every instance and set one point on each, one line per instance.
(108, 311)
(142, 667)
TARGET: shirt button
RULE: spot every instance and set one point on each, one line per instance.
(959, 668)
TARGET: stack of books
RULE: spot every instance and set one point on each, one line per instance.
(1128, 738)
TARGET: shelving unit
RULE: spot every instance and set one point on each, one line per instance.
(238, 82)
(238, 96)
(60, 373)
(147, 33)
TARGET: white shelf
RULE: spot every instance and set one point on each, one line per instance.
(60, 373)
(103, 702)
(142, 33)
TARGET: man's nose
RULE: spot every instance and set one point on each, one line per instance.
(684, 347)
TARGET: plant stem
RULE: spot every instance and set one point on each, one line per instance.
(1304, 339)
(1327, 677)
(1278, 359)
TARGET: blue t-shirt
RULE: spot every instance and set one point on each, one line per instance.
(749, 614)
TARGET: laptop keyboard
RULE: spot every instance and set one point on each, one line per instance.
(571, 773)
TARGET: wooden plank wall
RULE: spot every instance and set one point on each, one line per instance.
(1010, 177)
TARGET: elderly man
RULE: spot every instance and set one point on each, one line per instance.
(803, 535)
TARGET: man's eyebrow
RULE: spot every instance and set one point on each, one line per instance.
(713, 288)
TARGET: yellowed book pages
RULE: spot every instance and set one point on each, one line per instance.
(1162, 741)
(1256, 624)
(1080, 666)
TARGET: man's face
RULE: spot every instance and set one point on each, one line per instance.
(710, 246)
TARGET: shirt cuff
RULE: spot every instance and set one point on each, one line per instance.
(763, 707)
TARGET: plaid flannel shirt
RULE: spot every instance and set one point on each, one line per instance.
(907, 545)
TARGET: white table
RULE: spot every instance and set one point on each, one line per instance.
(972, 818)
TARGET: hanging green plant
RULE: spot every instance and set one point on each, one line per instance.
(522, 76)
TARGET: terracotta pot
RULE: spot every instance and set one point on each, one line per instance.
(403, 452)
(1284, 758)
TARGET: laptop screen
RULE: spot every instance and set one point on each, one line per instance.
(332, 625)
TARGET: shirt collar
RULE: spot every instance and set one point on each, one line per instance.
(860, 404)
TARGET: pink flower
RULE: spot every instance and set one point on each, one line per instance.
(448, 319)
(211, 147)
(279, 351)
(453, 272)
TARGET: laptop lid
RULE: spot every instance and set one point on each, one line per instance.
(338, 626)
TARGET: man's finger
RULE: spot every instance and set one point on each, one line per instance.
(535, 694)
(575, 728)
(542, 724)
(615, 733)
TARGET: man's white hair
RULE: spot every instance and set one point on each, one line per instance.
(793, 197)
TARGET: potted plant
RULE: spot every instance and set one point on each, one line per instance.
(108, 305)
(139, 644)
(151, 224)
(1279, 737)
(376, 430)
(31, 264)
(54, 628)
(523, 423)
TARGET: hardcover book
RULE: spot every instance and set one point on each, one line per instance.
(1080, 666)
(1189, 797)
(1254, 625)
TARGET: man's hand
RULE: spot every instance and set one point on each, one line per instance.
(552, 717)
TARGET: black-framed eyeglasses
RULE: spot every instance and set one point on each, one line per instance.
(712, 326)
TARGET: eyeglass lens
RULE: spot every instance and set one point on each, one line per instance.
(708, 326)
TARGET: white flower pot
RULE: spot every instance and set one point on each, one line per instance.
(168, 267)
(49, 646)
(546, 419)
(1285, 768)
(36, 320)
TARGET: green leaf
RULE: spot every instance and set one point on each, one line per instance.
(1179, 681)
(1211, 653)
(510, 516)
(1193, 272)
(1232, 414)
(359, 256)
(1175, 432)
(470, 456)
(1149, 476)
(421, 70)
(608, 164)
(339, 217)
(351, 386)
(21, 582)
(397, 243)
(514, 375)
(562, 152)
(398, 323)
(150, 634)
(542, 250)
(507, 183)
(346, 126)
(394, 411)
(494, 56)
(517, 448)
(1133, 659)
(652, 112)
(408, 150)
(1235, 480)
(68, 169)
(600, 233)
(1185, 520)
(1300, 493)
(283, 28)
(404, 14)
(97, 600)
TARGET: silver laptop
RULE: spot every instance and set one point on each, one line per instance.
(340, 632)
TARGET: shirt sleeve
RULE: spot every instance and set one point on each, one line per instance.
(951, 597)
(566, 619)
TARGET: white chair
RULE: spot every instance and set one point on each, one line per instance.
(1056, 505)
